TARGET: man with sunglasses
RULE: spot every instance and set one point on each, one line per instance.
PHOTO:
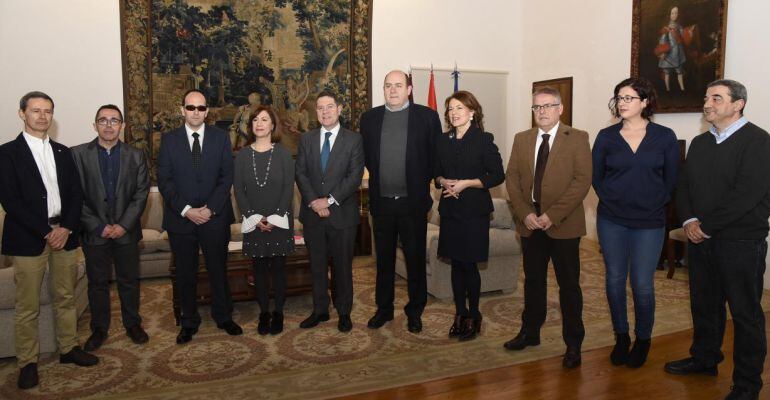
(548, 177)
(115, 185)
(195, 173)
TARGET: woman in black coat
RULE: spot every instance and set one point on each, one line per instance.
(468, 163)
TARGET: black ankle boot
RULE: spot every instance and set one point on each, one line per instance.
(276, 323)
(638, 354)
(619, 355)
(457, 327)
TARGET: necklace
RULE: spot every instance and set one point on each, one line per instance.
(254, 165)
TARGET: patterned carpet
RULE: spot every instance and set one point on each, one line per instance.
(321, 362)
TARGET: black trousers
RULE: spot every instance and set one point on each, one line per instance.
(324, 241)
(99, 262)
(729, 271)
(212, 238)
(537, 250)
(395, 222)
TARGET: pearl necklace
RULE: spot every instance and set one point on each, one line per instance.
(254, 165)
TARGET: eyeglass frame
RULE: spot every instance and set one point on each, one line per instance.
(109, 122)
(626, 99)
(190, 107)
(546, 107)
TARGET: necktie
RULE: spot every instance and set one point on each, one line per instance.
(325, 151)
(542, 160)
(196, 150)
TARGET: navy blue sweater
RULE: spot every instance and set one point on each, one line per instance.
(634, 188)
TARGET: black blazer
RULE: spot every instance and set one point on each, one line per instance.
(424, 128)
(475, 156)
(130, 193)
(341, 179)
(181, 185)
(23, 196)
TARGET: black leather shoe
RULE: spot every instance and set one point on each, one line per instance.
(379, 319)
(521, 341)
(276, 323)
(689, 366)
(740, 393)
(571, 357)
(472, 329)
(313, 320)
(230, 327)
(639, 352)
(28, 376)
(414, 324)
(457, 327)
(79, 357)
(263, 327)
(96, 340)
(619, 355)
(137, 334)
(185, 335)
(344, 324)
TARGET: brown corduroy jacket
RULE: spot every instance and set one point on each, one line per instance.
(566, 181)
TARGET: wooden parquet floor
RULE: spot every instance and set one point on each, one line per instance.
(596, 379)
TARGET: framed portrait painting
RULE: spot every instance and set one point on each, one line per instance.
(241, 54)
(564, 86)
(679, 46)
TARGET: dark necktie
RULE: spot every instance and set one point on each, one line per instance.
(542, 160)
(325, 151)
(196, 150)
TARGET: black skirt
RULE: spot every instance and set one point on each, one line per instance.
(464, 239)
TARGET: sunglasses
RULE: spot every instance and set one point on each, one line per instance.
(193, 108)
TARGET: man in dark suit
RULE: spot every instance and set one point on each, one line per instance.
(548, 177)
(329, 171)
(399, 145)
(195, 173)
(115, 185)
(42, 200)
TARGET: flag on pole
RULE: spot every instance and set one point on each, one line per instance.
(432, 92)
(456, 77)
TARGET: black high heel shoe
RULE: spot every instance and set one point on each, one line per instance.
(472, 328)
(457, 327)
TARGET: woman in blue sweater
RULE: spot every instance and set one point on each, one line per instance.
(635, 170)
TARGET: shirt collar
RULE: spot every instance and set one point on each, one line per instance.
(402, 108)
(551, 131)
(190, 131)
(334, 130)
(33, 139)
(730, 129)
(115, 149)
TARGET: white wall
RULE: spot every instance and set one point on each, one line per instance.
(67, 49)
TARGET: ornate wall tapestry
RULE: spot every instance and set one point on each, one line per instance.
(679, 45)
(242, 53)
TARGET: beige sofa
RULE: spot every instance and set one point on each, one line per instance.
(46, 332)
(500, 272)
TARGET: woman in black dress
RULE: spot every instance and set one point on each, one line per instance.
(264, 187)
(468, 163)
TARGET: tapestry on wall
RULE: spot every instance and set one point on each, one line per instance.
(240, 54)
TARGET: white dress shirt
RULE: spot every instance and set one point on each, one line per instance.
(46, 164)
(539, 140)
(191, 139)
(332, 138)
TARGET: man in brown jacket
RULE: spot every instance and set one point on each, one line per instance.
(548, 176)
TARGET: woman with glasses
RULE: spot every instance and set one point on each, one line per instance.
(467, 165)
(264, 187)
(634, 174)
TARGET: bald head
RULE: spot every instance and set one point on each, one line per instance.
(397, 89)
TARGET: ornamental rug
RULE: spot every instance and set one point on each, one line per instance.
(322, 362)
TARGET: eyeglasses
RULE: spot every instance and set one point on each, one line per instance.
(109, 122)
(193, 108)
(544, 107)
(625, 99)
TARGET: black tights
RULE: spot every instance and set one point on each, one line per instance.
(276, 266)
(466, 283)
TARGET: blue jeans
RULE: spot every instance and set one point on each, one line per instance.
(636, 250)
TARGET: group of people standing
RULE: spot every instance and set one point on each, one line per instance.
(95, 193)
